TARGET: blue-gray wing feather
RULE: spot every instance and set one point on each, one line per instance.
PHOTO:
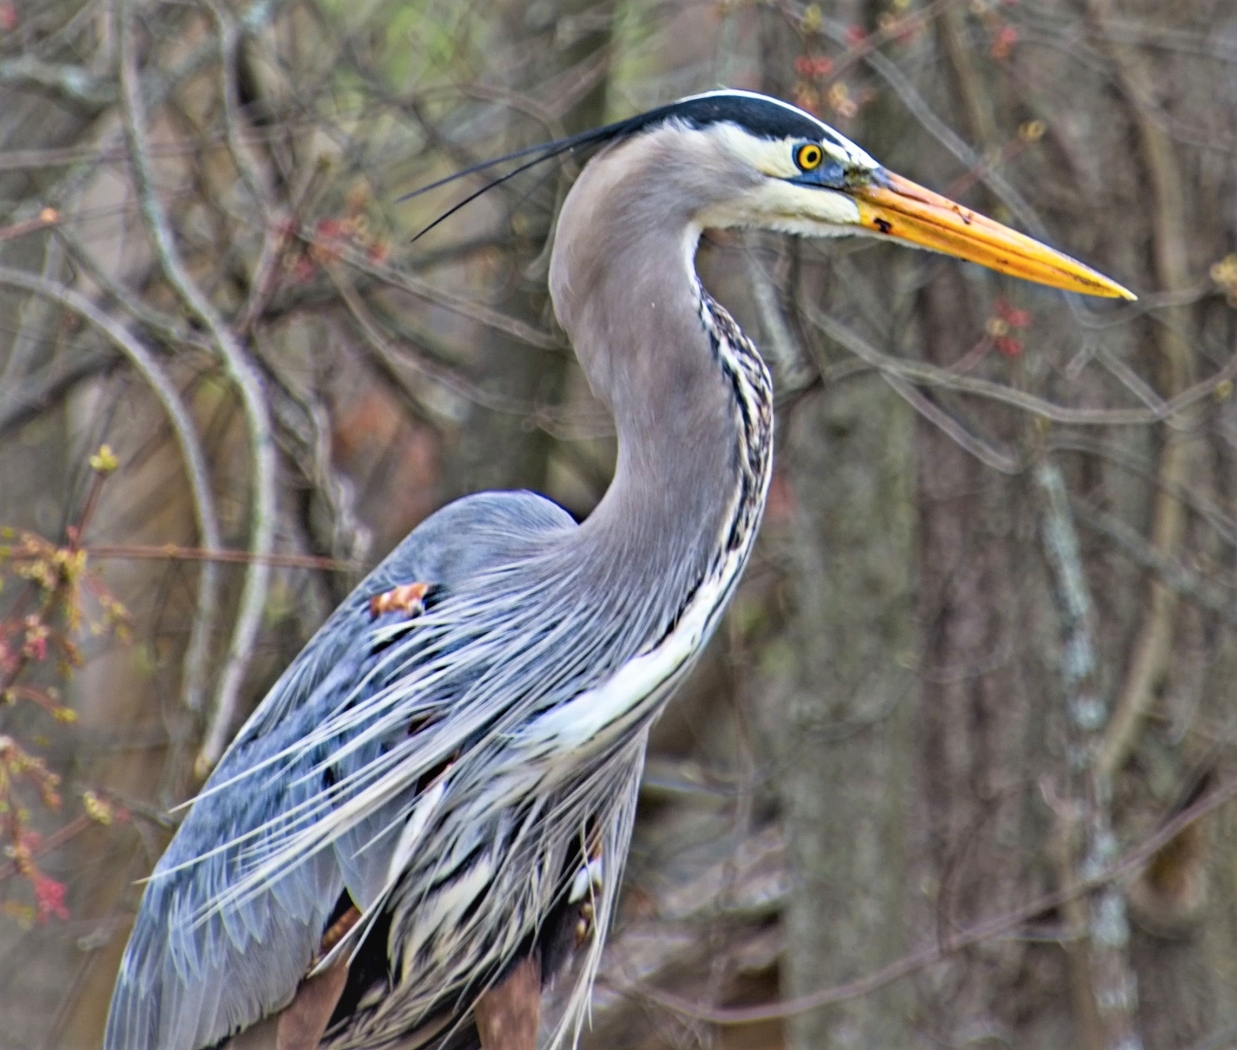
(191, 975)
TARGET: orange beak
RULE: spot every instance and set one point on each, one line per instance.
(908, 212)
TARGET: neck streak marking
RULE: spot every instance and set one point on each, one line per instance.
(637, 689)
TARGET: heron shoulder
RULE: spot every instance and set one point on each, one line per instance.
(178, 986)
(468, 536)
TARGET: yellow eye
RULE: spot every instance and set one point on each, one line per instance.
(809, 156)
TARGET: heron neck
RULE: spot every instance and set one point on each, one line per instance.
(678, 412)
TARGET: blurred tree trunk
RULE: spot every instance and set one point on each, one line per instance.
(506, 450)
(981, 695)
(981, 682)
(844, 740)
(845, 732)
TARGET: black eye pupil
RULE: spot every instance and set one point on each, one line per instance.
(809, 156)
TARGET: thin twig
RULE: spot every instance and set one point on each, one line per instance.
(1204, 507)
(229, 45)
(1099, 960)
(905, 23)
(474, 311)
(1170, 571)
(954, 428)
(72, 84)
(940, 950)
(172, 552)
(46, 217)
(394, 363)
(931, 375)
(50, 842)
(186, 437)
(32, 395)
(257, 416)
(780, 347)
(171, 328)
(276, 227)
(1153, 645)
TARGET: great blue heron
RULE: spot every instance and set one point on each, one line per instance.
(428, 815)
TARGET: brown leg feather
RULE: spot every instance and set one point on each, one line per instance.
(303, 1021)
(301, 1024)
(509, 1014)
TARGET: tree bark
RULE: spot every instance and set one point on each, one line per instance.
(845, 736)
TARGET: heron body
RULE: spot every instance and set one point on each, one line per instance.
(435, 800)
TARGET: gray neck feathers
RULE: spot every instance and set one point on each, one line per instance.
(624, 288)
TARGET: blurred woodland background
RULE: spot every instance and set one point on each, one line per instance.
(957, 771)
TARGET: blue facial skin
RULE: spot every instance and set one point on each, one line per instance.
(834, 175)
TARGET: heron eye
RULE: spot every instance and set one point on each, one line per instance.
(809, 156)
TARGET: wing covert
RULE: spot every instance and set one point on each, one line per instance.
(194, 973)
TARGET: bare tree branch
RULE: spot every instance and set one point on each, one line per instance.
(257, 415)
(68, 83)
(940, 950)
(1181, 453)
(143, 361)
(931, 375)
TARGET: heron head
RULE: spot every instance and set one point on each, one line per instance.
(786, 170)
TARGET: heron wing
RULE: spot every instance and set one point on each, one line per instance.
(195, 972)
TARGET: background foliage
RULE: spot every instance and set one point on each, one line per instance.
(955, 772)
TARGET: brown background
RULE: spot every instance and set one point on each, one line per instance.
(986, 646)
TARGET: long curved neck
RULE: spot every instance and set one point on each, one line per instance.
(674, 407)
(690, 397)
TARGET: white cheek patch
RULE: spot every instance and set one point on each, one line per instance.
(771, 156)
(776, 157)
(785, 206)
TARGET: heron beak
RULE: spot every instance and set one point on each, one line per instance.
(898, 208)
